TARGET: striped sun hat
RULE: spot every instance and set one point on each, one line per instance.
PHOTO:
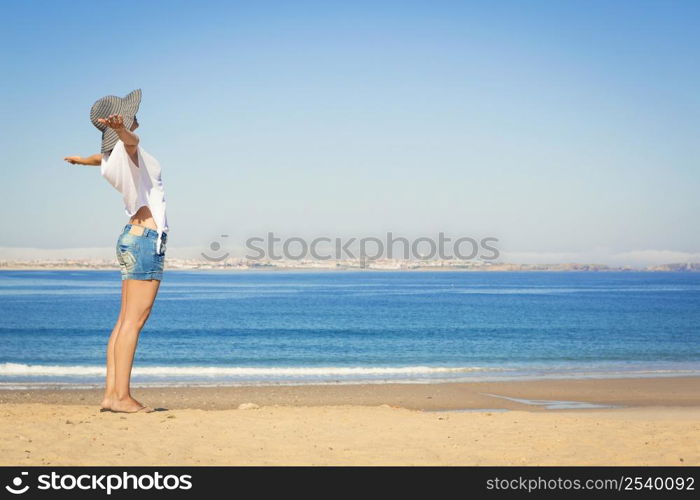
(112, 105)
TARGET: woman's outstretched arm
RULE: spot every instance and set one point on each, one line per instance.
(94, 160)
(129, 139)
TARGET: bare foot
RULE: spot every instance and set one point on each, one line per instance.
(106, 403)
(128, 405)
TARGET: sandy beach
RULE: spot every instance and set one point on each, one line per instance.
(644, 421)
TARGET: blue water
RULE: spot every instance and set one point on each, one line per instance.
(210, 328)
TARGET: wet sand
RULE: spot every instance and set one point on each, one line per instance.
(671, 391)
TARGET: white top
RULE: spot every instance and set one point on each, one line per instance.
(139, 185)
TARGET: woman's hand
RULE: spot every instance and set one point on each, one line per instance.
(128, 137)
(94, 160)
(74, 160)
(113, 121)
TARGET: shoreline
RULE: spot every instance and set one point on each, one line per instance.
(671, 391)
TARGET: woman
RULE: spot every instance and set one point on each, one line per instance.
(141, 245)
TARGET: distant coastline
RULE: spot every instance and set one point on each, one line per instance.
(340, 265)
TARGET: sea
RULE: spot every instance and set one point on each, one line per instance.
(212, 328)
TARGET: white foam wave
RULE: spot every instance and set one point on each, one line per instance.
(18, 369)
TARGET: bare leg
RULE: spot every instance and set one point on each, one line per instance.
(140, 297)
(110, 382)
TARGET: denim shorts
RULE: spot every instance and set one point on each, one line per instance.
(138, 259)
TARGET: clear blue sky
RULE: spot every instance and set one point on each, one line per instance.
(555, 126)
